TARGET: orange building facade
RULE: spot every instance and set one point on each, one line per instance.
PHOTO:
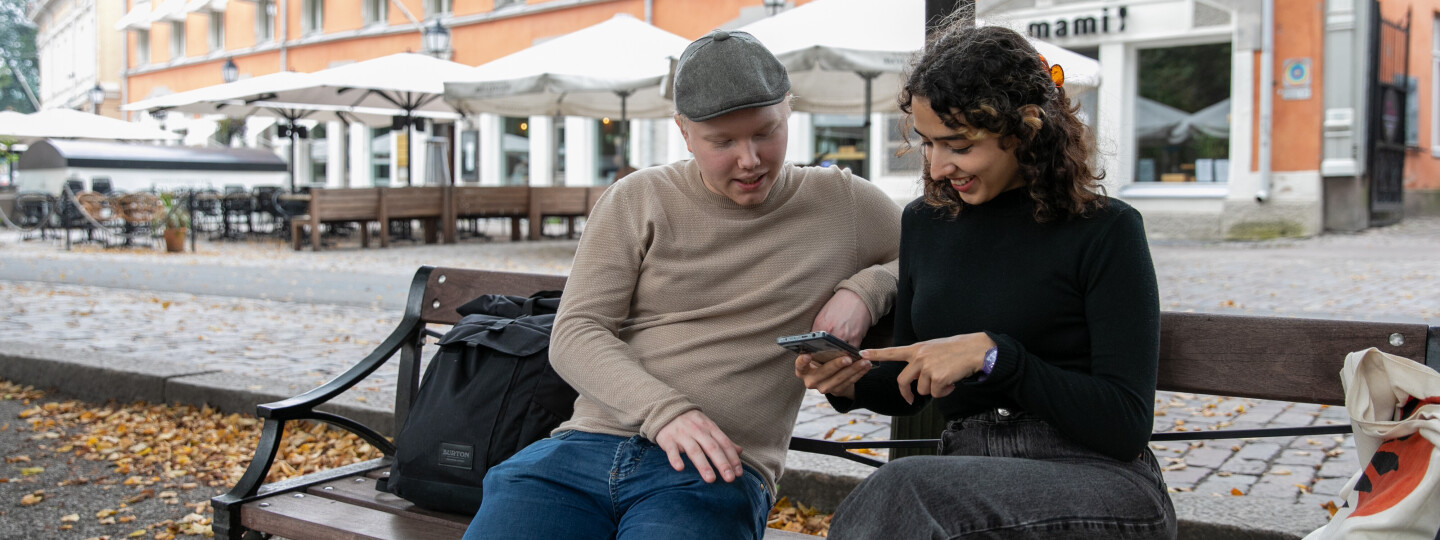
(179, 45)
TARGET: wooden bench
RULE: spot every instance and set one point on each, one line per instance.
(425, 203)
(1258, 357)
(348, 205)
(485, 202)
(566, 202)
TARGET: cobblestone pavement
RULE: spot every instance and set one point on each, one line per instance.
(1382, 274)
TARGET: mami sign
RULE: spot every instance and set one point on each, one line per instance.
(1079, 26)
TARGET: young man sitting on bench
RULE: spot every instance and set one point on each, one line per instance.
(686, 275)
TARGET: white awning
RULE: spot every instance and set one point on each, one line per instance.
(169, 10)
(138, 18)
(205, 6)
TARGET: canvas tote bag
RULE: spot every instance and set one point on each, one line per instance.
(1394, 406)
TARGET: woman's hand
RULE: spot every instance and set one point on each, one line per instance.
(836, 377)
(935, 365)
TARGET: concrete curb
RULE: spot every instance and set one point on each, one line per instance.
(819, 481)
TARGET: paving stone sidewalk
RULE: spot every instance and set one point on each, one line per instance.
(1384, 274)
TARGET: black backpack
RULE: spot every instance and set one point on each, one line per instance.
(488, 393)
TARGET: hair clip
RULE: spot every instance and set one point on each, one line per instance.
(1057, 73)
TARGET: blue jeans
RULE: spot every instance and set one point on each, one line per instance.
(588, 486)
(1009, 475)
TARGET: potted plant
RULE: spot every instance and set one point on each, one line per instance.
(175, 223)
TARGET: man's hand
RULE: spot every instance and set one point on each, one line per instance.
(844, 316)
(702, 441)
(935, 365)
(836, 377)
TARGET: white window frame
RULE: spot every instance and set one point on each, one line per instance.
(1435, 86)
(177, 40)
(374, 12)
(217, 31)
(264, 21)
(312, 16)
(501, 4)
(435, 8)
(142, 46)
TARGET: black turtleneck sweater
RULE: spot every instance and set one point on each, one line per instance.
(1072, 305)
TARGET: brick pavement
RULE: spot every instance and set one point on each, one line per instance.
(1379, 274)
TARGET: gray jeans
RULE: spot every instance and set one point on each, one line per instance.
(1009, 475)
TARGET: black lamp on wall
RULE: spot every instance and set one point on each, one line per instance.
(436, 39)
(97, 96)
(230, 72)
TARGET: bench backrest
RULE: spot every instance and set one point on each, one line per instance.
(412, 202)
(346, 203)
(1241, 356)
(562, 201)
(1276, 358)
(491, 201)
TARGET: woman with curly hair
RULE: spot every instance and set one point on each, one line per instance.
(1027, 310)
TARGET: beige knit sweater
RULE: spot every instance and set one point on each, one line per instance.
(677, 295)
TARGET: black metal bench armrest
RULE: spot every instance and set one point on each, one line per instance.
(303, 405)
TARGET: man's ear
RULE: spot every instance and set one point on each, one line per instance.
(684, 125)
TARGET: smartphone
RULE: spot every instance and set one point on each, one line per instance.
(821, 346)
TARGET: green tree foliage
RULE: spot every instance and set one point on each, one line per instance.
(17, 50)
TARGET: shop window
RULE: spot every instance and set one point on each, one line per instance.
(1182, 116)
(380, 156)
(217, 31)
(608, 142)
(177, 40)
(515, 145)
(839, 140)
(501, 4)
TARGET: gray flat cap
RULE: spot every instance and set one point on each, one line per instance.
(727, 71)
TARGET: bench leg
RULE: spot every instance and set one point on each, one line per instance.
(570, 227)
(315, 236)
(432, 230)
(514, 229)
(364, 235)
(295, 230)
(384, 232)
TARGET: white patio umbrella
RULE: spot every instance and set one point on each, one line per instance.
(595, 72)
(406, 82)
(830, 45)
(72, 124)
(254, 97)
(848, 56)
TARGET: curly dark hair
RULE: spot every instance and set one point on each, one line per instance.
(994, 77)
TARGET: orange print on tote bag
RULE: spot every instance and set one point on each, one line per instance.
(1394, 407)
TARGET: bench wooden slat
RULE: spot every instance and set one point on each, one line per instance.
(460, 286)
(320, 517)
(1271, 358)
(363, 493)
